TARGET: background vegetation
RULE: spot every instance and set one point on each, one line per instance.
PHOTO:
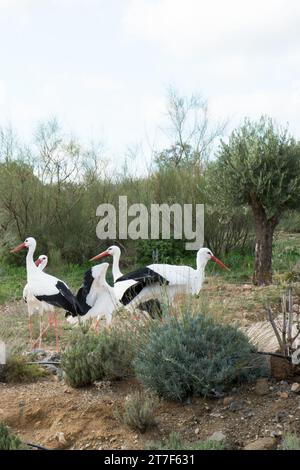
(50, 189)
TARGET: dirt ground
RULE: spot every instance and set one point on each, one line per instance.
(40, 412)
(54, 415)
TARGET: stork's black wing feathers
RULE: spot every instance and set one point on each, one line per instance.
(152, 307)
(84, 291)
(146, 275)
(64, 299)
(143, 277)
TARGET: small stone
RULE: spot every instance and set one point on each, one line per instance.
(264, 443)
(295, 387)
(227, 401)
(284, 395)
(61, 438)
(235, 406)
(281, 415)
(247, 287)
(197, 430)
(262, 387)
(217, 436)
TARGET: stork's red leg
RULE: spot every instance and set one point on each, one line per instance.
(56, 332)
(41, 332)
(30, 329)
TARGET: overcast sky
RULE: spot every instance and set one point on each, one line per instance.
(102, 66)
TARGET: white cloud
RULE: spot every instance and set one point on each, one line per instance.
(186, 27)
(282, 105)
(2, 92)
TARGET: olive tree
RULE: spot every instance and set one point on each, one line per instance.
(260, 167)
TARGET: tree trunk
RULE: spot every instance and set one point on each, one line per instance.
(263, 246)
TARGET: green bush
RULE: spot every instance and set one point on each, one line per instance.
(290, 442)
(17, 370)
(174, 442)
(90, 357)
(8, 440)
(138, 411)
(192, 355)
(75, 358)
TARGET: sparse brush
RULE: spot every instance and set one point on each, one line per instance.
(138, 411)
(17, 370)
(8, 440)
(290, 442)
(90, 357)
(75, 359)
(175, 442)
(192, 355)
(115, 352)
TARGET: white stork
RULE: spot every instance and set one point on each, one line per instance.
(161, 281)
(151, 306)
(43, 286)
(36, 306)
(96, 297)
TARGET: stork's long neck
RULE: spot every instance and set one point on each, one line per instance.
(115, 267)
(31, 268)
(200, 272)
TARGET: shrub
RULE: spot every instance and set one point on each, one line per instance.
(75, 358)
(290, 442)
(138, 412)
(17, 370)
(115, 353)
(192, 355)
(90, 357)
(8, 440)
(174, 442)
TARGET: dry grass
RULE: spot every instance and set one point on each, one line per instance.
(241, 304)
(14, 328)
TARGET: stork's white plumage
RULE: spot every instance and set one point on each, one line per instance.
(34, 305)
(43, 286)
(150, 307)
(161, 281)
(96, 296)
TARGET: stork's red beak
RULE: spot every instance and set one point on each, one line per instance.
(101, 255)
(38, 262)
(18, 248)
(216, 260)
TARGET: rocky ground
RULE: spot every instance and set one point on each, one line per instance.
(52, 414)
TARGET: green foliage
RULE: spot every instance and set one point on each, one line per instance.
(75, 359)
(290, 222)
(115, 352)
(290, 442)
(175, 442)
(260, 164)
(167, 251)
(17, 370)
(90, 357)
(8, 440)
(192, 355)
(138, 411)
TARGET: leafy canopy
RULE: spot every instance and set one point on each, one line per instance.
(260, 164)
